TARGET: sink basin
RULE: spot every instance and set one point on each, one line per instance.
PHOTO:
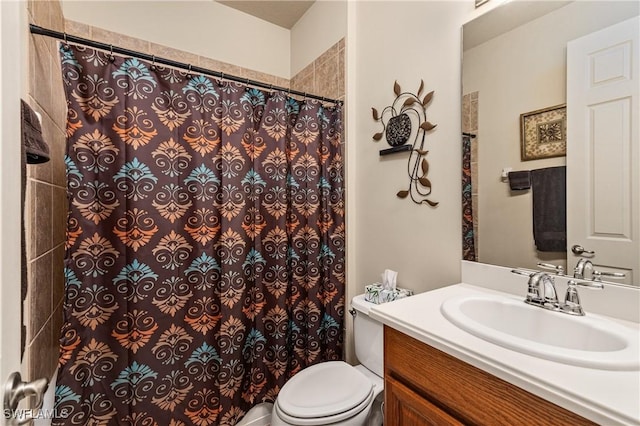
(586, 341)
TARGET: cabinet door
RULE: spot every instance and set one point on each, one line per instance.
(403, 407)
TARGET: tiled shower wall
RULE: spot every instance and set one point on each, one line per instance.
(470, 125)
(46, 197)
(45, 204)
(131, 43)
(325, 75)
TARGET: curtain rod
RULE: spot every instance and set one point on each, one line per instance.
(34, 29)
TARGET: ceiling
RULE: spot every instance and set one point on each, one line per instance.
(505, 18)
(280, 12)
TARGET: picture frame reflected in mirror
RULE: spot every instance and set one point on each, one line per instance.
(543, 133)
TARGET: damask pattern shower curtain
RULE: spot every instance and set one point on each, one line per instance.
(205, 244)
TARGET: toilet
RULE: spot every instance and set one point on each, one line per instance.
(334, 392)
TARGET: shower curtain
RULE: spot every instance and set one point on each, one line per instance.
(205, 244)
(468, 234)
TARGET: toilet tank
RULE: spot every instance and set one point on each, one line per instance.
(368, 336)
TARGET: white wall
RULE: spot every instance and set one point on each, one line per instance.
(206, 28)
(12, 47)
(520, 71)
(322, 26)
(407, 42)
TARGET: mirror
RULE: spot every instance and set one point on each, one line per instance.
(514, 62)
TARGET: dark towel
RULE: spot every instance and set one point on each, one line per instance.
(36, 148)
(549, 208)
(520, 180)
(34, 151)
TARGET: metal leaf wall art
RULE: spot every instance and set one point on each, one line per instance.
(405, 126)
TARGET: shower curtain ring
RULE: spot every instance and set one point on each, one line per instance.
(153, 62)
(65, 44)
(189, 75)
(111, 57)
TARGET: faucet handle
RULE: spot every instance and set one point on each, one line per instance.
(597, 275)
(522, 271)
(594, 285)
(571, 303)
(551, 267)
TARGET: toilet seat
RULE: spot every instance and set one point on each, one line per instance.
(324, 393)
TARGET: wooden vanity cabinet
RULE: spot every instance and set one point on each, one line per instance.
(425, 386)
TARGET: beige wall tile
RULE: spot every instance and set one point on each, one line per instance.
(283, 82)
(325, 76)
(39, 355)
(327, 81)
(231, 69)
(327, 55)
(305, 84)
(211, 64)
(59, 105)
(261, 77)
(120, 40)
(30, 220)
(473, 115)
(56, 16)
(59, 212)
(56, 326)
(40, 64)
(39, 294)
(57, 276)
(39, 11)
(41, 206)
(78, 29)
(303, 81)
(173, 54)
(341, 74)
(306, 72)
(57, 144)
(466, 108)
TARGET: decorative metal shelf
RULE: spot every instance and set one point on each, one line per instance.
(396, 149)
(405, 126)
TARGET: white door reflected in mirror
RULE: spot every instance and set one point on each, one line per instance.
(603, 118)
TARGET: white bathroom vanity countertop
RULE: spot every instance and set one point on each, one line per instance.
(604, 396)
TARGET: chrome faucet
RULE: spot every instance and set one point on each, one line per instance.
(541, 290)
(582, 266)
(585, 265)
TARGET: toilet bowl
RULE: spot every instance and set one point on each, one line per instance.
(334, 392)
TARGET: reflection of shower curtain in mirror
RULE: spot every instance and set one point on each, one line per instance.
(205, 244)
(468, 238)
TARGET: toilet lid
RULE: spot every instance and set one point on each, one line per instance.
(324, 389)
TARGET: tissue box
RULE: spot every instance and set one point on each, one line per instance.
(374, 293)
